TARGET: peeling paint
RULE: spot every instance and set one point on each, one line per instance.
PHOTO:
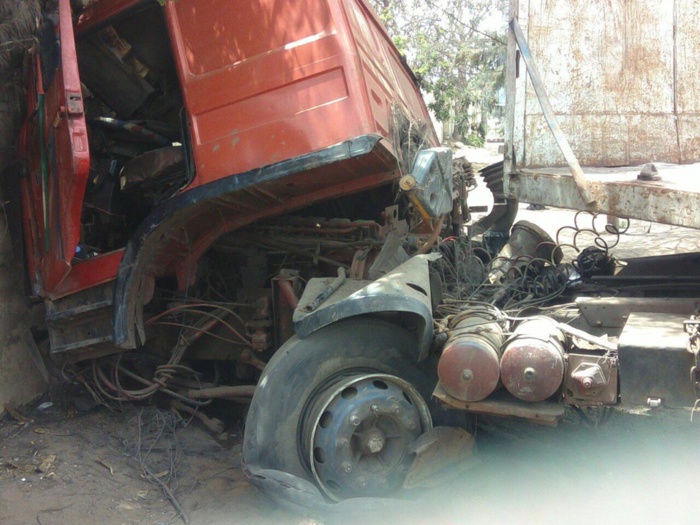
(621, 77)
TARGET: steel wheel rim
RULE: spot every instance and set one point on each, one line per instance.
(362, 427)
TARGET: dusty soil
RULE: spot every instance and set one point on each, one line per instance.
(62, 467)
(65, 466)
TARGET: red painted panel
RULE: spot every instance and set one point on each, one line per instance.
(388, 82)
(285, 101)
(218, 34)
(88, 273)
(65, 134)
(281, 82)
(51, 244)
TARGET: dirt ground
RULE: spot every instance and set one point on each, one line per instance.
(63, 466)
(80, 466)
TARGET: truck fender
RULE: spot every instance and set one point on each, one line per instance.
(196, 218)
(405, 290)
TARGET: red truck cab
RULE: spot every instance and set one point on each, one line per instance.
(154, 128)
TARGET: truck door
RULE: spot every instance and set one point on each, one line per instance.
(57, 143)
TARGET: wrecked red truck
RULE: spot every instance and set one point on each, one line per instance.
(218, 195)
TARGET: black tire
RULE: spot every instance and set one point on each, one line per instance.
(296, 373)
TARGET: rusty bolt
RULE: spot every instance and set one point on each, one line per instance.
(649, 173)
(467, 375)
(588, 378)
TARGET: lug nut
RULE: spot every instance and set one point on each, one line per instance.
(355, 420)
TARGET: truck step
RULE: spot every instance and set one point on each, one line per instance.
(79, 314)
(80, 326)
(82, 346)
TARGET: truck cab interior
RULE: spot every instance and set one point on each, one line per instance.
(136, 125)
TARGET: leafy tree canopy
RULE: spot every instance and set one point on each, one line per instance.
(456, 47)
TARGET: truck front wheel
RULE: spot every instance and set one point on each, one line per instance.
(339, 409)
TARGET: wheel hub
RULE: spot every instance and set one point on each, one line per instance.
(361, 428)
(372, 441)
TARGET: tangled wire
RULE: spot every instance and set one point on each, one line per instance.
(595, 259)
(106, 377)
(471, 276)
(151, 439)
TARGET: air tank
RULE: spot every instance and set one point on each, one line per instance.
(532, 364)
(469, 365)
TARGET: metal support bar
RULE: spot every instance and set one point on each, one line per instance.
(603, 343)
(223, 392)
(579, 178)
(327, 291)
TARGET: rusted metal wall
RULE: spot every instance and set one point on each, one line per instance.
(622, 78)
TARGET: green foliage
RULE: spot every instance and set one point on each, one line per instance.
(458, 57)
(475, 140)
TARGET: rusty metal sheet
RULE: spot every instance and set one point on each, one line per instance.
(610, 57)
(689, 135)
(687, 44)
(442, 454)
(621, 80)
(613, 312)
(673, 200)
(603, 140)
(544, 413)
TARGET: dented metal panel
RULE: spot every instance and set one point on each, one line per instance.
(615, 72)
(406, 289)
(267, 81)
(672, 200)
